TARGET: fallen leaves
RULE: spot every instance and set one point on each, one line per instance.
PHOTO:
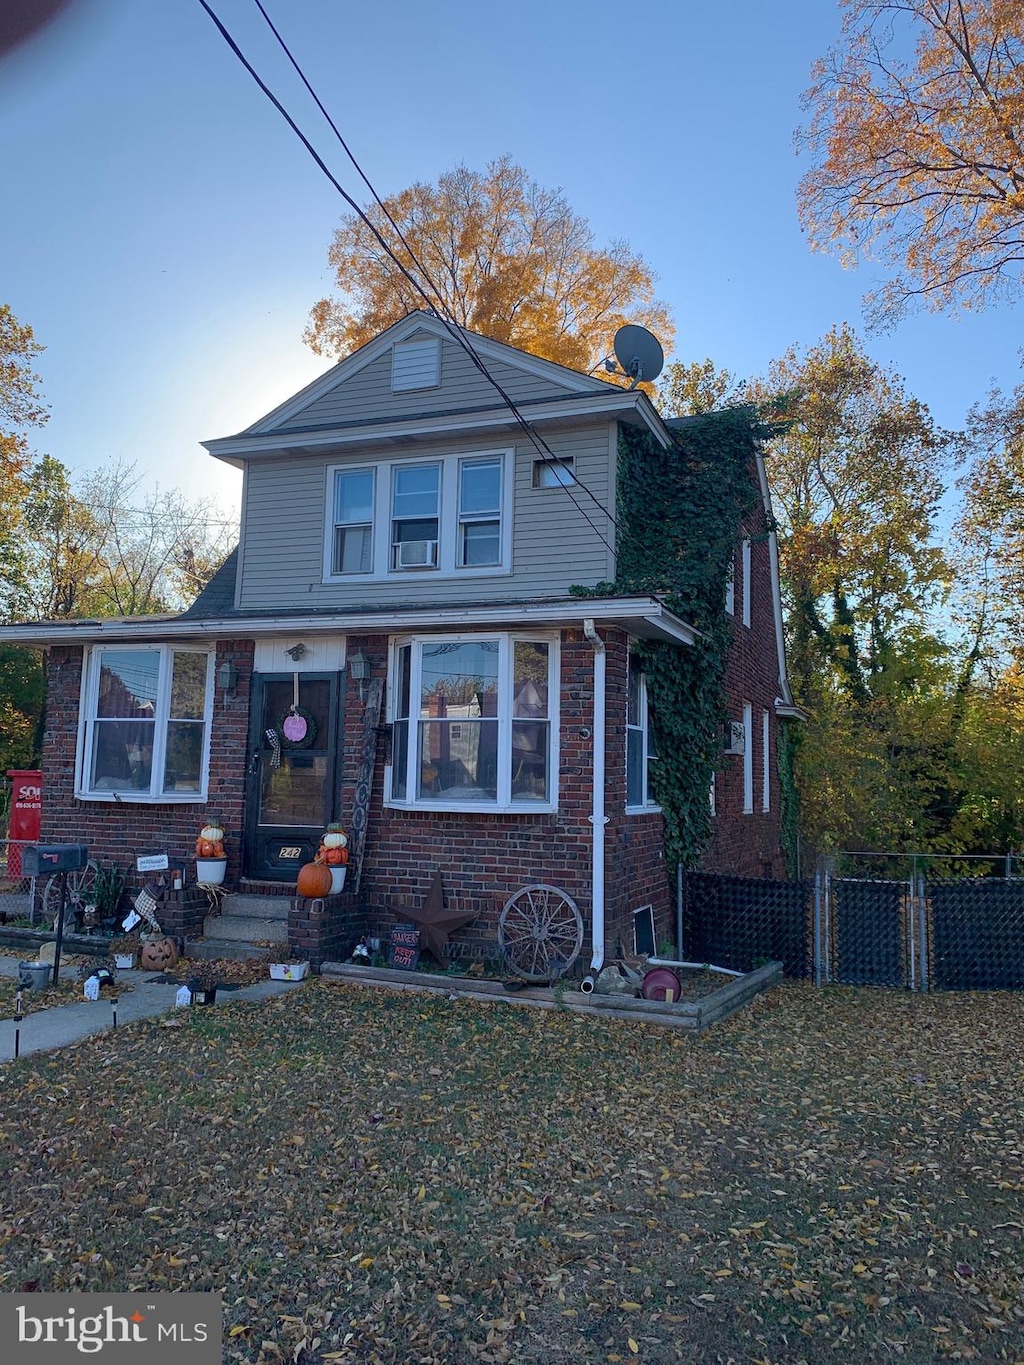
(785, 1187)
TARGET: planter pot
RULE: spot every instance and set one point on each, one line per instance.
(210, 871)
(289, 971)
(337, 879)
(35, 976)
(124, 962)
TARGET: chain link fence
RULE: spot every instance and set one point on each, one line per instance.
(743, 922)
(17, 892)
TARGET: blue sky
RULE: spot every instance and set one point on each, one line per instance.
(165, 234)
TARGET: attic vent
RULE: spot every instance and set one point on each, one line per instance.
(415, 365)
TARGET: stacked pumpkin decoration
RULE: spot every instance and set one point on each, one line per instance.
(210, 843)
(315, 878)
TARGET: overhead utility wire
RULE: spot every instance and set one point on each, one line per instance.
(453, 328)
(445, 315)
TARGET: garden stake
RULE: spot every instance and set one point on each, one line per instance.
(18, 1016)
(113, 1002)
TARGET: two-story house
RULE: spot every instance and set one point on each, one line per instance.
(401, 523)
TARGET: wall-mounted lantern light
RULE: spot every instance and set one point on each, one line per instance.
(296, 652)
(227, 677)
(359, 671)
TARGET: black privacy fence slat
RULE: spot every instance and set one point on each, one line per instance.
(742, 922)
(868, 938)
(976, 934)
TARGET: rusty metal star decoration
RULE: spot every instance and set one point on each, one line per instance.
(434, 921)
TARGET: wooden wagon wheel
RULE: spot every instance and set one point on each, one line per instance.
(540, 932)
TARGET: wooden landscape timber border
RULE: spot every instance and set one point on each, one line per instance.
(692, 1016)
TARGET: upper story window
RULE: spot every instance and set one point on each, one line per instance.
(730, 588)
(554, 473)
(474, 723)
(450, 516)
(415, 507)
(479, 512)
(353, 521)
(145, 724)
(416, 365)
(745, 580)
(641, 749)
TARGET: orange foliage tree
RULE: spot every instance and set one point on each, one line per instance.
(508, 258)
(917, 136)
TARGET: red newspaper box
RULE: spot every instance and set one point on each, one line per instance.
(26, 802)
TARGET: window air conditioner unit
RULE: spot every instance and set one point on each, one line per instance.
(416, 554)
(734, 737)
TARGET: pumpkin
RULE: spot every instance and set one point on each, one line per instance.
(214, 833)
(206, 849)
(313, 880)
(332, 857)
(334, 838)
(158, 953)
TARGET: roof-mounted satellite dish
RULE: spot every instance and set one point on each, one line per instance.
(639, 353)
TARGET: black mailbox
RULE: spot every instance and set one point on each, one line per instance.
(39, 860)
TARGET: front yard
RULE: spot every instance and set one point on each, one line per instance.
(405, 1179)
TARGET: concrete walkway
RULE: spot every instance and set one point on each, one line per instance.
(53, 1028)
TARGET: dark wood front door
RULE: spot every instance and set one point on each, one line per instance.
(292, 792)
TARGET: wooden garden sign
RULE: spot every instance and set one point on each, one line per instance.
(364, 785)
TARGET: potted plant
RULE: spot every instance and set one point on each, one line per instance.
(203, 983)
(289, 971)
(124, 951)
(211, 860)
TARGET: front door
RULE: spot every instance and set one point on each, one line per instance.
(292, 792)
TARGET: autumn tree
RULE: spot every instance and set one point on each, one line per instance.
(917, 138)
(689, 389)
(504, 256)
(21, 409)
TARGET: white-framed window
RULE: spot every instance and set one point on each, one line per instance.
(730, 588)
(745, 581)
(450, 516)
(641, 751)
(748, 758)
(766, 767)
(415, 365)
(554, 473)
(144, 731)
(474, 722)
(415, 515)
(352, 541)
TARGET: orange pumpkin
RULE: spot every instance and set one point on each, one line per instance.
(344, 856)
(158, 953)
(313, 880)
(332, 857)
(206, 849)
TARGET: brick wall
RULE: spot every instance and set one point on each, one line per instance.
(748, 844)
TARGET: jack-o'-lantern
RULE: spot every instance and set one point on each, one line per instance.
(313, 880)
(158, 953)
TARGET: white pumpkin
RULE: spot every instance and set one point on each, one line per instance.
(335, 838)
(213, 833)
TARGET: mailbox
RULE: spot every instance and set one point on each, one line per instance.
(40, 860)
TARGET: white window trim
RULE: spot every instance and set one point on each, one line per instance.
(87, 715)
(745, 582)
(505, 641)
(648, 805)
(766, 769)
(448, 538)
(748, 758)
(730, 588)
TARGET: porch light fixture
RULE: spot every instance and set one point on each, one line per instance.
(359, 671)
(227, 677)
(296, 652)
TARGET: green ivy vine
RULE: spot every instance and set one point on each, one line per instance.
(679, 512)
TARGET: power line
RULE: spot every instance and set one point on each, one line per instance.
(454, 330)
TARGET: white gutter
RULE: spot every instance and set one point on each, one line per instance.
(644, 616)
(598, 819)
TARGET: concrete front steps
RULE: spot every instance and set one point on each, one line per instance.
(246, 929)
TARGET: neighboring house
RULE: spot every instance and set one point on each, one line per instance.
(399, 524)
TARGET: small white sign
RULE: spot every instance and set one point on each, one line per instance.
(132, 920)
(152, 862)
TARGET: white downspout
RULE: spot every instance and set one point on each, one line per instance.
(598, 819)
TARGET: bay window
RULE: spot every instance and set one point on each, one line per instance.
(474, 721)
(146, 723)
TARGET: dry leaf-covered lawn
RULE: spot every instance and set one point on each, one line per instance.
(382, 1177)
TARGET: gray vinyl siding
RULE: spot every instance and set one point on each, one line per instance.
(553, 547)
(368, 394)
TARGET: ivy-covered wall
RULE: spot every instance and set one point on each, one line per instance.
(680, 514)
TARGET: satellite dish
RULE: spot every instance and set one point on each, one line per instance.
(639, 353)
